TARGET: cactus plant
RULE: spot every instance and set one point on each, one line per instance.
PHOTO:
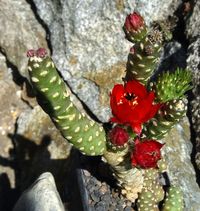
(143, 112)
(53, 96)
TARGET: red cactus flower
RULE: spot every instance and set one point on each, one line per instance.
(134, 22)
(118, 136)
(132, 105)
(146, 154)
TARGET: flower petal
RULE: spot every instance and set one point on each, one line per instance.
(137, 128)
(117, 93)
(137, 88)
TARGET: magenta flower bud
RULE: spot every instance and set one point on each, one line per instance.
(134, 22)
(30, 53)
(134, 27)
(41, 52)
(118, 136)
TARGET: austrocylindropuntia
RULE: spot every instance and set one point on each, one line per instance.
(152, 192)
(54, 97)
(143, 111)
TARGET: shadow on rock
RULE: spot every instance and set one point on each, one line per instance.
(29, 161)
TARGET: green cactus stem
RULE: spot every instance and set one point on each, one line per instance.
(143, 58)
(172, 86)
(152, 192)
(174, 200)
(165, 119)
(54, 97)
(130, 180)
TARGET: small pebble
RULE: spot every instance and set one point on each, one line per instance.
(94, 198)
(106, 198)
(100, 206)
(103, 189)
(127, 208)
(90, 188)
(86, 173)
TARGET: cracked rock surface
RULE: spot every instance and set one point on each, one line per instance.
(193, 62)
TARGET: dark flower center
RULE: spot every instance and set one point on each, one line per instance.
(132, 99)
(130, 96)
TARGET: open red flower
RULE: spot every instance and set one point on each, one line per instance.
(132, 105)
(146, 154)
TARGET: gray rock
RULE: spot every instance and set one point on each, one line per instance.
(156, 9)
(19, 31)
(193, 24)
(11, 106)
(193, 64)
(173, 56)
(181, 172)
(193, 61)
(42, 195)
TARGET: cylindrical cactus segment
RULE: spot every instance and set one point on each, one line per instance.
(165, 119)
(142, 59)
(129, 179)
(152, 192)
(171, 86)
(174, 200)
(53, 96)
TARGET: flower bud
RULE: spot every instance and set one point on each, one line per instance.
(134, 27)
(118, 136)
(41, 52)
(30, 53)
(146, 154)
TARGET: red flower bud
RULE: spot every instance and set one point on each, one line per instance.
(30, 53)
(134, 22)
(41, 52)
(118, 136)
(134, 27)
(146, 154)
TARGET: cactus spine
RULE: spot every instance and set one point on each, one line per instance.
(53, 96)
